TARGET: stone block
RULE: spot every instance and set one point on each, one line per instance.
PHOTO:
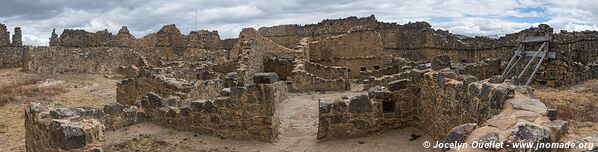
(197, 105)
(360, 104)
(398, 84)
(558, 127)
(441, 62)
(529, 104)
(114, 109)
(552, 114)
(339, 106)
(490, 138)
(60, 113)
(500, 95)
(68, 135)
(265, 78)
(325, 105)
(459, 133)
(531, 133)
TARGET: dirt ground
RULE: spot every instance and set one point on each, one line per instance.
(577, 104)
(18, 89)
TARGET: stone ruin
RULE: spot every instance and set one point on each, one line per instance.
(412, 76)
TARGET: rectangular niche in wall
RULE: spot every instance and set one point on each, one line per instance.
(363, 68)
(376, 67)
(388, 107)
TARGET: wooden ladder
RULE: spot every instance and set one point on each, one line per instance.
(521, 53)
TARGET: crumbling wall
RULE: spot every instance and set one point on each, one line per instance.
(59, 128)
(348, 50)
(290, 35)
(208, 40)
(131, 90)
(123, 38)
(326, 72)
(4, 36)
(270, 48)
(247, 112)
(280, 66)
(482, 70)
(155, 55)
(434, 101)
(92, 60)
(305, 81)
(11, 57)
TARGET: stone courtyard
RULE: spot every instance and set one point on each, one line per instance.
(349, 84)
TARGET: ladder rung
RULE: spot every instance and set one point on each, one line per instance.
(532, 39)
(551, 55)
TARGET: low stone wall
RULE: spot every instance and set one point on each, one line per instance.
(434, 101)
(305, 81)
(11, 57)
(239, 112)
(131, 90)
(326, 72)
(91, 60)
(58, 128)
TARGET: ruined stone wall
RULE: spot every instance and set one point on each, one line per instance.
(11, 57)
(270, 48)
(155, 55)
(208, 40)
(434, 101)
(282, 67)
(92, 60)
(241, 112)
(59, 128)
(305, 81)
(4, 36)
(290, 35)
(326, 72)
(130, 91)
(482, 70)
(355, 64)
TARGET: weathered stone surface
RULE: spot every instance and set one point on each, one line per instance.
(68, 135)
(261, 78)
(441, 62)
(552, 114)
(360, 104)
(489, 138)
(529, 104)
(398, 85)
(500, 95)
(115, 108)
(459, 133)
(531, 133)
(325, 105)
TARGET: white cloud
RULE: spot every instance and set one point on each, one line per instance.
(484, 17)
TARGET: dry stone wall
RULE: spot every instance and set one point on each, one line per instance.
(247, 112)
(131, 90)
(280, 66)
(92, 60)
(11, 57)
(326, 72)
(305, 81)
(59, 128)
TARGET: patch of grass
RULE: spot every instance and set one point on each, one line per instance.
(26, 87)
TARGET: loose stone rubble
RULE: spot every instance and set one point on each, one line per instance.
(412, 76)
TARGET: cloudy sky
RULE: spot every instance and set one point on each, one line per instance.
(482, 17)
